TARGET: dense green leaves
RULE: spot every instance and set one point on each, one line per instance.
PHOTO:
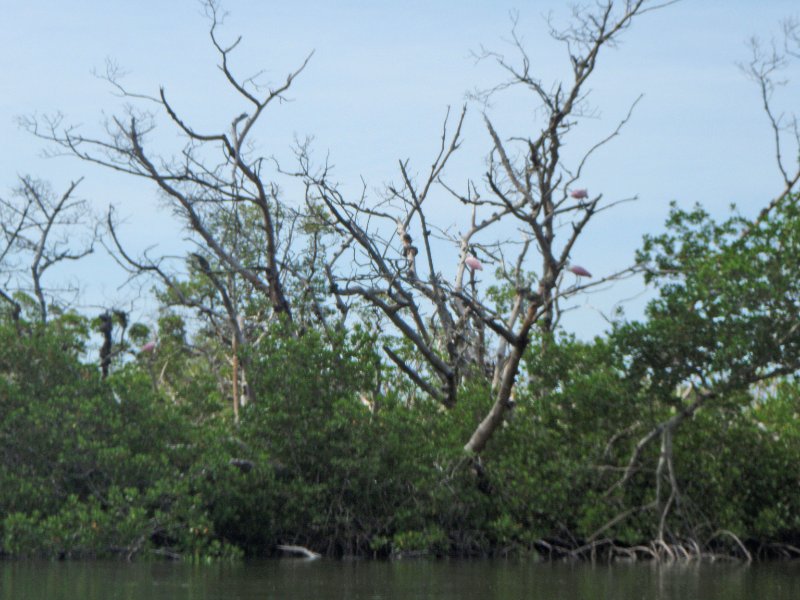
(337, 453)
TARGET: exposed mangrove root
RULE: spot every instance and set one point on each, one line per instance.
(658, 550)
(776, 549)
(735, 538)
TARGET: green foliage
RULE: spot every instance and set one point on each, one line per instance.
(724, 323)
(90, 467)
(738, 466)
(339, 453)
(342, 469)
(729, 298)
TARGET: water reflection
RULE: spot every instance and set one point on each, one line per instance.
(442, 580)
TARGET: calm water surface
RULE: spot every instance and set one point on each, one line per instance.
(442, 580)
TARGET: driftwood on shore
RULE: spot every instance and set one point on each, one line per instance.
(301, 550)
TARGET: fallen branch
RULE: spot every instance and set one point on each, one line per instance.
(301, 550)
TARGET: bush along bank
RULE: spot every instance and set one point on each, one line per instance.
(124, 467)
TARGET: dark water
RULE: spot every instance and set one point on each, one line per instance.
(442, 580)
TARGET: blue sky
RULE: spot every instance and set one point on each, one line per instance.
(377, 89)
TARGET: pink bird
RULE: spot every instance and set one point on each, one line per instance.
(473, 263)
(579, 271)
(148, 347)
(580, 194)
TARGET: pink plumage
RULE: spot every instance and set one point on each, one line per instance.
(579, 271)
(473, 263)
(580, 194)
(148, 347)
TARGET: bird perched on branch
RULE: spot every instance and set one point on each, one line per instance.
(578, 270)
(473, 263)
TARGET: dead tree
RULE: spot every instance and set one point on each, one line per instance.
(246, 236)
(212, 181)
(212, 292)
(765, 65)
(527, 196)
(38, 232)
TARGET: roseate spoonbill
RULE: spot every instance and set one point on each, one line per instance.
(148, 347)
(579, 271)
(473, 263)
(580, 194)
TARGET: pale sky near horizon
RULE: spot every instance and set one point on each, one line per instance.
(376, 90)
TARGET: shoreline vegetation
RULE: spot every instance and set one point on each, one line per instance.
(317, 380)
(149, 463)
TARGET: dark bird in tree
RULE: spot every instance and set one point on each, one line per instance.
(106, 325)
